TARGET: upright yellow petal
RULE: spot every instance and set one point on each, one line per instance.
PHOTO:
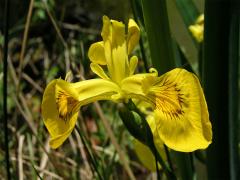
(120, 64)
(181, 112)
(96, 53)
(113, 31)
(118, 33)
(106, 29)
(114, 38)
(133, 35)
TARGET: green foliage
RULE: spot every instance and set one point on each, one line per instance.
(221, 45)
(159, 37)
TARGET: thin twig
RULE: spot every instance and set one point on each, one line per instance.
(24, 43)
(83, 154)
(73, 145)
(76, 27)
(32, 82)
(20, 159)
(26, 113)
(44, 159)
(5, 86)
(39, 169)
(66, 54)
(112, 138)
(30, 124)
(114, 141)
(92, 158)
(54, 24)
(168, 157)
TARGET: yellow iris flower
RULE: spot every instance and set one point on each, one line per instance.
(181, 114)
(198, 28)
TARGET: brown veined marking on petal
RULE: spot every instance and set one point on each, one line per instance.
(169, 99)
(66, 105)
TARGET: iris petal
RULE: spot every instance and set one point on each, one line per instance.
(98, 71)
(133, 35)
(58, 119)
(96, 53)
(115, 47)
(181, 112)
(132, 65)
(95, 89)
(62, 101)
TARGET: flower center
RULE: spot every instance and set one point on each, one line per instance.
(66, 105)
(170, 100)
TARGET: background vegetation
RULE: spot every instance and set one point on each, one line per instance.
(48, 38)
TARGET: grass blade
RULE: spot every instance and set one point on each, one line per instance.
(138, 16)
(93, 160)
(5, 85)
(158, 32)
(182, 37)
(188, 11)
(216, 61)
(234, 58)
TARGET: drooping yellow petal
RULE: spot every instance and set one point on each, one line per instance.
(62, 101)
(95, 89)
(59, 111)
(96, 53)
(181, 112)
(133, 35)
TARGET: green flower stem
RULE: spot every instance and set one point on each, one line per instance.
(140, 129)
(168, 157)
